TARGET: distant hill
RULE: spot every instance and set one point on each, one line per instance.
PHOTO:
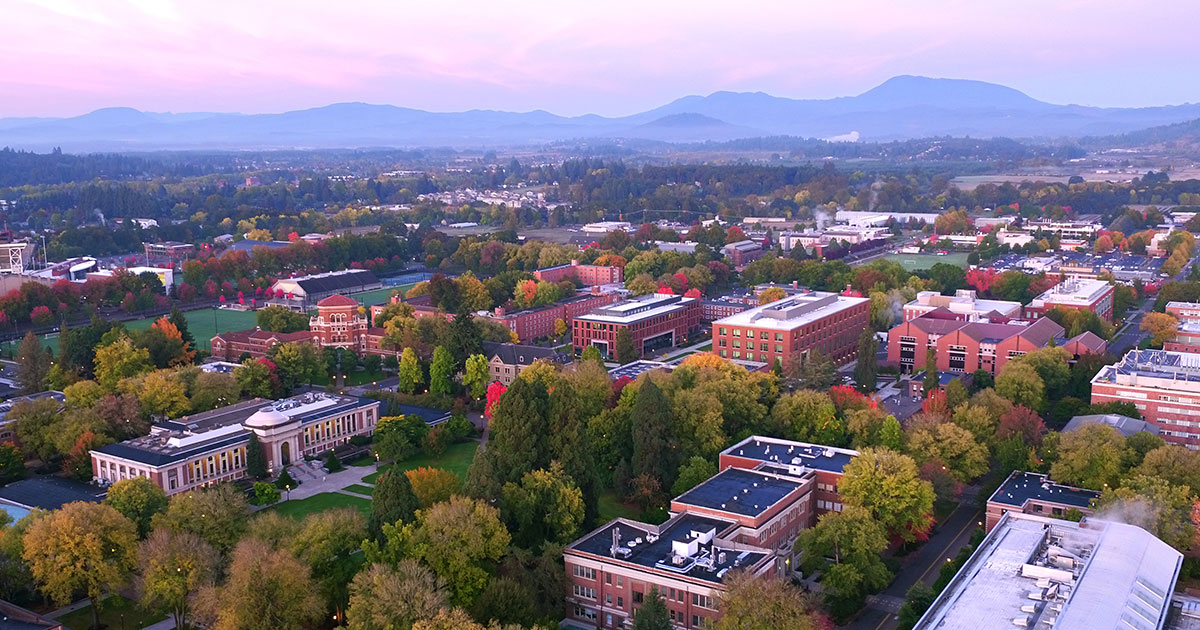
(901, 108)
(1187, 132)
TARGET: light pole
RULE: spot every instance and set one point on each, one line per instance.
(288, 489)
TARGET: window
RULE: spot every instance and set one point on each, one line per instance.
(704, 601)
(582, 612)
(586, 573)
(608, 578)
(637, 597)
(583, 591)
(737, 332)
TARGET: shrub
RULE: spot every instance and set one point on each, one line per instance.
(285, 481)
(436, 440)
(332, 463)
(458, 428)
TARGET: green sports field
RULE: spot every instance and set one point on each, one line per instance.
(203, 324)
(922, 262)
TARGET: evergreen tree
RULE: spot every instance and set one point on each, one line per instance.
(931, 373)
(867, 365)
(653, 452)
(256, 458)
(569, 444)
(410, 374)
(176, 317)
(393, 501)
(464, 338)
(33, 364)
(519, 441)
(653, 613)
(627, 352)
(441, 368)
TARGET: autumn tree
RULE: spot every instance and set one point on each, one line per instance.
(139, 499)
(83, 547)
(441, 369)
(867, 363)
(257, 378)
(1019, 383)
(297, 363)
(476, 375)
(33, 364)
(847, 547)
(1022, 423)
(217, 514)
(1154, 505)
(328, 542)
(764, 603)
(1177, 465)
(808, 416)
(211, 390)
(12, 463)
(173, 566)
(772, 294)
(931, 381)
(120, 360)
(267, 589)
(433, 485)
(1089, 457)
(1160, 326)
(383, 597)
(888, 485)
(964, 457)
(410, 374)
(545, 506)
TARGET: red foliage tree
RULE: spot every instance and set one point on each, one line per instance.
(981, 279)
(494, 392)
(41, 315)
(692, 293)
(666, 290)
(935, 404)
(1024, 423)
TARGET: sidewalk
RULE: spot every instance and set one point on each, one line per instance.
(70, 608)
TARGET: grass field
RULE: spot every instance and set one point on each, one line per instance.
(920, 262)
(319, 503)
(203, 324)
(111, 615)
(456, 459)
(609, 508)
(360, 489)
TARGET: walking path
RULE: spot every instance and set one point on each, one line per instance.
(70, 608)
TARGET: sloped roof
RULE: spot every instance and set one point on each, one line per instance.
(518, 354)
(1089, 340)
(338, 300)
(933, 326)
(1040, 332)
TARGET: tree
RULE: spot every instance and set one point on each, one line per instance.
(931, 381)
(297, 362)
(1154, 505)
(1089, 457)
(654, 453)
(545, 506)
(854, 543)
(179, 320)
(441, 368)
(653, 613)
(138, 499)
(817, 372)
(33, 364)
(82, 547)
(592, 353)
(627, 351)
(868, 363)
(919, 598)
(328, 542)
(1052, 366)
(772, 294)
(394, 598)
(964, 457)
(460, 540)
(476, 375)
(281, 319)
(1176, 465)
(763, 603)
(519, 432)
(211, 390)
(1022, 423)
(267, 589)
(808, 416)
(256, 458)
(12, 464)
(173, 566)
(35, 421)
(392, 503)
(411, 377)
(1020, 384)
(560, 328)
(162, 394)
(889, 486)
(433, 485)
(1161, 327)
(257, 378)
(217, 514)
(120, 360)
(692, 473)
(265, 493)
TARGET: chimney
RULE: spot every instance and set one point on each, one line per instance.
(500, 311)
(616, 542)
(574, 262)
(795, 284)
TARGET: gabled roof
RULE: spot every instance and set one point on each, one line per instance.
(338, 300)
(1088, 340)
(937, 326)
(517, 354)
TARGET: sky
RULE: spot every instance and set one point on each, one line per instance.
(616, 57)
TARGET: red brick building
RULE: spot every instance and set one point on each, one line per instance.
(1033, 493)
(538, 321)
(1075, 294)
(231, 346)
(792, 328)
(1163, 385)
(1187, 336)
(340, 322)
(587, 275)
(743, 253)
(654, 321)
(965, 346)
(746, 517)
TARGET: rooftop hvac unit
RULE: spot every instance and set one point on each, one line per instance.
(1036, 596)
(1029, 608)
(1021, 622)
(677, 560)
(623, 552)
(721, 557)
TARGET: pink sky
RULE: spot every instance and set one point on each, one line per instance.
(67, 57)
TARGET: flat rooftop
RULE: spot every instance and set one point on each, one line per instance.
(740, 491)
(1042, 573)
(687, 545)
(789, 453)
(639, 367)
(1021, 487)
(638, 309)
(1073, 292)
(793, 311)
(1159, 369)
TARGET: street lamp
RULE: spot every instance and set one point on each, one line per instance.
(288, 488)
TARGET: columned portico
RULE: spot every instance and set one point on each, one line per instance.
(279, 435)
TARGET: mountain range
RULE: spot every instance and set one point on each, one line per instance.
(903, 107)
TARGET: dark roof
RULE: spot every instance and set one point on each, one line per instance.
(518, 354)
(429, 415)
(637, 368)
(788, 453)
(655, 549)
(740, 491)
(1123, 424)
(13, 617)
(248, 246)
(338, 299)
(48, 493)
(349, 280)
(1021, 487)
(7, 405)
(1089, 340)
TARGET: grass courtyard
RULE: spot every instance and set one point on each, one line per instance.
(116, 613)
(319, 503)
(921, 262)
(457, 459)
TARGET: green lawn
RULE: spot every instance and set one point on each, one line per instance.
(919, 262)
(380, 296)
(360, 489)
(456, 459)
(319, 503)
(705, 348)
(111, 615)
(364, 377)
(203, 324)
(609, 508)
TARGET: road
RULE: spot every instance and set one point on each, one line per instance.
(921, 566)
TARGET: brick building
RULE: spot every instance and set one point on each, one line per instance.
(1187, 335)
(744, 252)
(712, 310)
(171, 250)
(792, 328)
(745, 517)
(1163, 385)
(964, 304)
(506, 360)
(340, 322)
(1075, 294)
(587, 275)
(966, 346)
(538, 321)
(1034, 493)
(654, 321)
(210, 447)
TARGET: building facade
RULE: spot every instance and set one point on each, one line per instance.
(1033, 493)
(793, 328)
(538, 321)
(744, 252)
(587, 275)
(654, 321)
(1075, 294)
(1187, 335)
(209, 448)
(171, 250)
(964, 304)
(304, 292)
(1163, 385)
(506, 360)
